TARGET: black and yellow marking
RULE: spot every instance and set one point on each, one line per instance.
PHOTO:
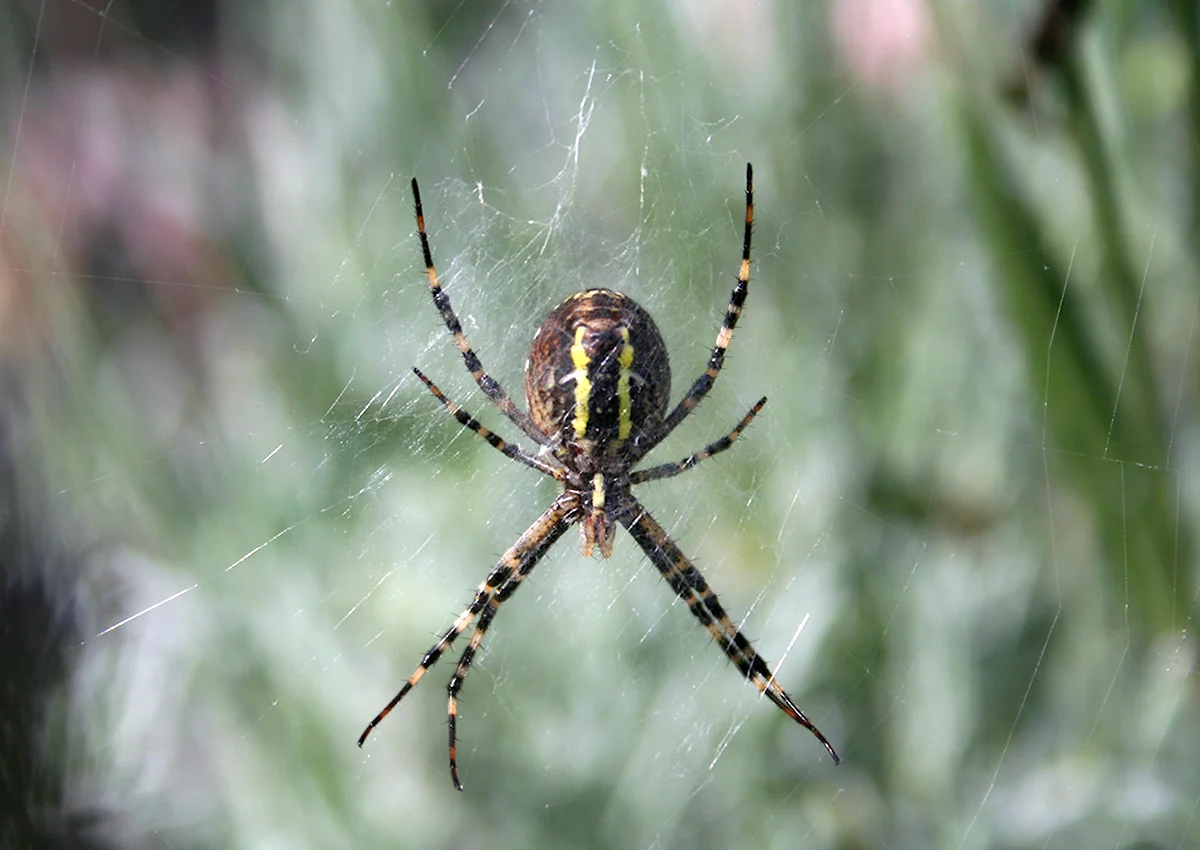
(583, 384)
(512, 569)
(597, 385)
(491, 388)
(586, 400)
(690, 586)
(624, 379)
(725, 335)
(669, 470)
(598, 375)
(506, 448)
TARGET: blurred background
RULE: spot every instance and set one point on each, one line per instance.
(962, 529)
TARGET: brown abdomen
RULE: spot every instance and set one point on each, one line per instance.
(598, 371)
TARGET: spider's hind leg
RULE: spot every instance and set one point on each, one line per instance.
(690, 586)
(485, 592)
(534, 544)
(519, 560)
(456, 682)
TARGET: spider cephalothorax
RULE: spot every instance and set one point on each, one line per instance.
(598, 383)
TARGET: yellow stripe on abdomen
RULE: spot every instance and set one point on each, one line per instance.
(624, 399)
(583, 384)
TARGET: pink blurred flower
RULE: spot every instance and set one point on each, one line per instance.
(883, 42)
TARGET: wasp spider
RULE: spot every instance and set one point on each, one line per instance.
(597, 383)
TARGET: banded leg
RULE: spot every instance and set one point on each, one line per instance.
(669, 470)
(690, 586)
(508, 449)
(523, 554)
(485, 619)
(441, 300)
(738, 298)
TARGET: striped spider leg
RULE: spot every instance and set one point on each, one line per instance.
(716, 360)
(491, 388)
(512, 569)
(689, 585)
(597, 386)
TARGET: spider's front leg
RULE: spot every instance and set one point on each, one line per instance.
(689, 585)
(490, 386)
(737, 299)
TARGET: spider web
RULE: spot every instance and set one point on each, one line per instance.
(960, 531)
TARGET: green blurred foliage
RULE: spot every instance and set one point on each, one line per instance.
(962, 528)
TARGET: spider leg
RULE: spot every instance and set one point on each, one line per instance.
(485, 619)
(509, 450)
(669, 470)
(519, 559)
(690, 586)
(736, 299)
(441, 300)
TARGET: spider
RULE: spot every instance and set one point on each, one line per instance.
(597, 383)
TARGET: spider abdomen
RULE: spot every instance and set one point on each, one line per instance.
(598, 374)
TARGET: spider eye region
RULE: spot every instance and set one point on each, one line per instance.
(598, 373)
